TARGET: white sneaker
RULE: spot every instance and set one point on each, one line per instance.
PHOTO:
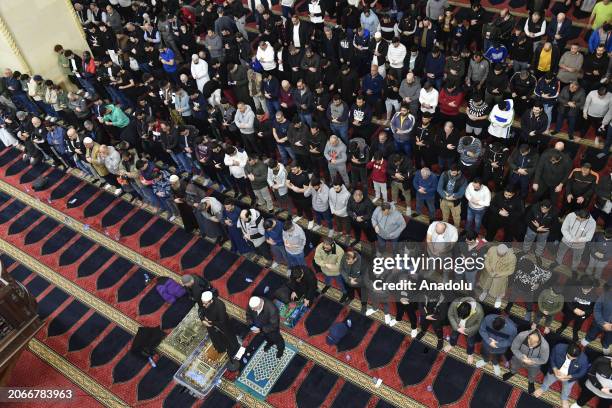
(482, 296)
(408, 211)
(481, 363)
(498, 303)
(310, 224)
(274, 265)
(606, 351)
(413, 333)
(117, 192)
(107, 186)
(375, 200)
(331, 233)
(387, 319)
(574, 405)
(296, 219)
(370, 311)
(392, 323)
(316, 228)
(584, 343)
(496, 370)
(172, 218)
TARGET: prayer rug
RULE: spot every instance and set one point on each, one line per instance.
(261, 372)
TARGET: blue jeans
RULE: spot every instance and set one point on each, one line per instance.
(548, 111)
(285, 153)
(325, 215)
(474, 216)
(22, 101)
(381, 244)
(341, 130)
(307, 118)
(295, 260)
(566, 386)
(522, 180)
(431, 206)
(471, 341)
(339, 281)
(87, 85)
(273, 107)
(404, 147)
(182, 161)
(594, 330)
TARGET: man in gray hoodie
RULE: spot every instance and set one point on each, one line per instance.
(530, 350)
(409, 91)
(577, 229)
(388, 224)
(335, 153)
(245, 122)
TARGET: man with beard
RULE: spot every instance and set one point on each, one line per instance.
(348, 84)
(505, 213)
(214, 317)
(522, 86)
(595, 68)
(409, 91)
(321, 100)
(298, 138)
(360, 117)
(297, 183)
(316, 146)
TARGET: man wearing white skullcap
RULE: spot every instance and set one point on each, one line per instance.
(213, 315)
(263, 317)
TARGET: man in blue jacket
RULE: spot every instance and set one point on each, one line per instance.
(567, 364)
(602, 322)
(497, 334)
(425, 183)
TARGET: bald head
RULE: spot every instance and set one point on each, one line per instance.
(440, 228)
(559, 146)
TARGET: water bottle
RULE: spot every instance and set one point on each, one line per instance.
(147, 278)
(152, 362)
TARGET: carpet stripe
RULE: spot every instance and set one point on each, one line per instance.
(114, 315)
(88, 384)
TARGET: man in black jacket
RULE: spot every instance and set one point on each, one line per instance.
(540, 219)
(533, 125)
(262, 317)
(551, 173)
(360, 209)
(579, 188)
(522, 163)
(196, 285)
(302, 284)
(504, 213)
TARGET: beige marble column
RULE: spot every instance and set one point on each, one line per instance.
(29, 29)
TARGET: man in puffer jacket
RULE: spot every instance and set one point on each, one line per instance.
(465, 315)
(388, 224)
(530, 351)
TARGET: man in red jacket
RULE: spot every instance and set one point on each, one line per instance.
(449, 102)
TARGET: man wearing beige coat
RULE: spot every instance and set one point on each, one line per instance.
(500, 263)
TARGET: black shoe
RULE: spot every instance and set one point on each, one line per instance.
(420, 335)
(440, 344)
(280, 353)
(345, 299)
(325, 288)
(267, 347)
(364, 307)
(507, 376)
(560, 329)
(554, 132)
(531, 388)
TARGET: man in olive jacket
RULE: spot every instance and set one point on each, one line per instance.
(465, 315)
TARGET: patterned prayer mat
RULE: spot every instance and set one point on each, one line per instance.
(262, 371)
